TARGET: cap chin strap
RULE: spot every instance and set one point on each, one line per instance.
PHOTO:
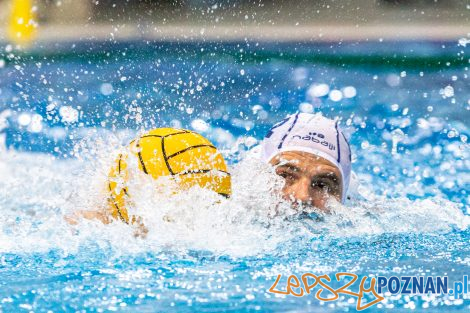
(316, 153)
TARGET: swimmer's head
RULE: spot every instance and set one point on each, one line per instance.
(313, 156)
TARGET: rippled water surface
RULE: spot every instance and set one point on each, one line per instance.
(65, 110)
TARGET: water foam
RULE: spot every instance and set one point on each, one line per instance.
(37, 191)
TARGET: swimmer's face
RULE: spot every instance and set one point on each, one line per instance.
(309, 180)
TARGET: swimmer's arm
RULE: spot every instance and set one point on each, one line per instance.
(103, 216)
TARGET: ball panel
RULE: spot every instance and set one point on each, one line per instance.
(180, 142)
(118, 174)
(118, 209)
(117, 180)
(219, 182)
(199, 158)
(151, 157)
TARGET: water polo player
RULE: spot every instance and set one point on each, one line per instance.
(313, 156)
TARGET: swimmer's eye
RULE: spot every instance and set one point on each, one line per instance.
(328, 184)
(323, 185)
(288, 175)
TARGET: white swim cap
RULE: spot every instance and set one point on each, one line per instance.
(311, 133)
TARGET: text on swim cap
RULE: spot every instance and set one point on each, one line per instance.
(313, 137)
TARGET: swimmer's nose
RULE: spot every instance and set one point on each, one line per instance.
(299, 192)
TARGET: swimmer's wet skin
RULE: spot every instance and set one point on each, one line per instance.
(313, 156)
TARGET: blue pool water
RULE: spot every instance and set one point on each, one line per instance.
(65, 110)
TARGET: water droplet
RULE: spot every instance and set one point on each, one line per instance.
(452, 133)
(336, 95)
(24, 119)
(199, 125)
(448, 91)
(349, 92)
(318, 90)
(68, 114)
(106, 89)
(393, 80)
(36, 124)
(306, 107)
(397, 136)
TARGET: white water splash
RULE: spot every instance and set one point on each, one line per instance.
(36, 191)
(464, 42)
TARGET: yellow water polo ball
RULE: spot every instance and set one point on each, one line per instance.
(178, 153)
